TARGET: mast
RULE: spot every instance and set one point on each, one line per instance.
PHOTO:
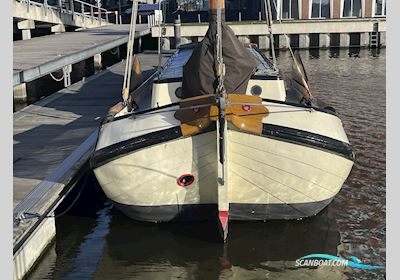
(217, 7)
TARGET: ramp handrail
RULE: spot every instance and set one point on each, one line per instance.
(74, 7)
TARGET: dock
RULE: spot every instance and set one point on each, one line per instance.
(53, 141)
(41, 56)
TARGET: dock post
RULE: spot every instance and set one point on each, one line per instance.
(186, 40)
(91, 13)
(177, 32)
(166, 44)
(26, 26)
(140, 44)
(364, 39)
(26, 256)
(344, 39)
(67, 75)
(304, 41)
(19, 93)
(45, 6)
(71, 7)
(82, 12)
(58, 29)
(264, 42)
(382, 39)
(244, 39)
(324, 40)
(99, 11)
(284, 41)
(97, 61)
(26, 34)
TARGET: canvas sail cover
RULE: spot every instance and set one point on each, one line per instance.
(199, 73)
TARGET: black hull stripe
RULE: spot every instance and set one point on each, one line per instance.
(305, 138)
(237, 211)
(120, 149)
(281, 133)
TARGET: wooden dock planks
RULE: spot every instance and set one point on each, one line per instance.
(47, 132)
(39, 56)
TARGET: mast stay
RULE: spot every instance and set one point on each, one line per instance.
(268, 13)
(129, 55)
(298, 70)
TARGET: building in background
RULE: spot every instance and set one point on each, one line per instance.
(293, 9)
(330, 9)
(308, 23)
(124, 4)
(282, 9)
(254, 10)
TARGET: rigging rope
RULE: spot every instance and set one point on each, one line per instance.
(129, 55)
(302, 109)
(220, 58)
(268, 14)
(161, 7)
(249, 114)
(27, 215)
(286, 36)
(291, 50)
(114, 52)
(55, 79)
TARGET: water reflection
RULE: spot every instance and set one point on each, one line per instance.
(193, 250)
(314, 53)
(334, 52)
(354, 52)
(375, 52)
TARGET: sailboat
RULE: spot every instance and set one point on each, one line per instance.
(223, 137)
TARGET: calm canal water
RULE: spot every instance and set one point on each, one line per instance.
(95, 241)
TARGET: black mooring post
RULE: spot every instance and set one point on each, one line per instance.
(177, 31)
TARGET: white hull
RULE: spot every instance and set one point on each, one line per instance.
(149, 176)
(298, 180)
(268, 178)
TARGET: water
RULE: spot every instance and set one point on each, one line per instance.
(95, 241)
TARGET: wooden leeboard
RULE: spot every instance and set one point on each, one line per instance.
(246, 113)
